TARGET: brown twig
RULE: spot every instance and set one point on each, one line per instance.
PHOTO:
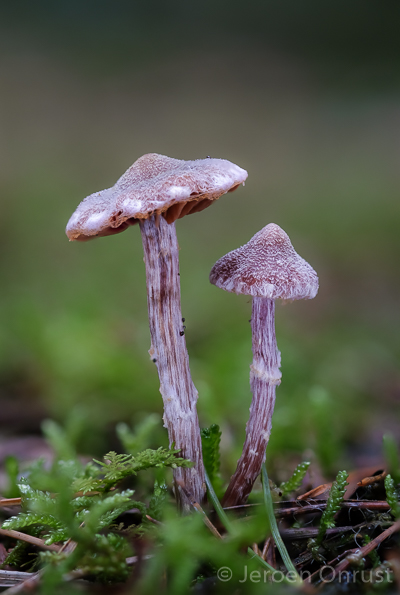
(9, 578)
(4, 502)
(189, 496)
(30, 539)
(367, 481)
(307, 532)
(317, 506)
(315, 492)
(359, 504)
(154, 521)
(256, 550)
(270, 556)
(29, 584)
(68, 547)
(267, 545)
(355, 556)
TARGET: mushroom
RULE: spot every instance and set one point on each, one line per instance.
(154, 192)
(266, 268)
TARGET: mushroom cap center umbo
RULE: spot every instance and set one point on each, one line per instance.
(154, 185)
(267, 266)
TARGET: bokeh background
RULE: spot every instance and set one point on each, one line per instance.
(306, 97)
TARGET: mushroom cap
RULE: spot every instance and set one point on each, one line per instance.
(154, 184)
(267, 266)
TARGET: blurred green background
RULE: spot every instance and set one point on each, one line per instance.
(306, 97)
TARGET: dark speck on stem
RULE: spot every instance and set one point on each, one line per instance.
(182, 333)
(183, 319)
(154, 360)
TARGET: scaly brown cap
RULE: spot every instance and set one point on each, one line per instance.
(267, 266)
(154, 184)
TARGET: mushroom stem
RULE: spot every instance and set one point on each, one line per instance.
(264, 377)
(168, 351)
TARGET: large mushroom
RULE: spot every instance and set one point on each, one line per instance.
(154, 192)
(266, 268)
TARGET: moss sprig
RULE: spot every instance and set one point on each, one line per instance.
(392, 497)
(295, 481)
(333, 505)
(82, 503)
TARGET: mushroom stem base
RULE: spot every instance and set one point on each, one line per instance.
(264, 377)
(169, 353)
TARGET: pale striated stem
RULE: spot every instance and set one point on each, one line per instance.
(264, 377)
(168, 351)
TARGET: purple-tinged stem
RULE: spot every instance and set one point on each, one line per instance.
(264, 377)
(168, 351)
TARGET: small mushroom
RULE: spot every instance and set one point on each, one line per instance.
(154, 192)
(266, 268)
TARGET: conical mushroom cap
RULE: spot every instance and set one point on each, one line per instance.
(267, 266)
(154, 184)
